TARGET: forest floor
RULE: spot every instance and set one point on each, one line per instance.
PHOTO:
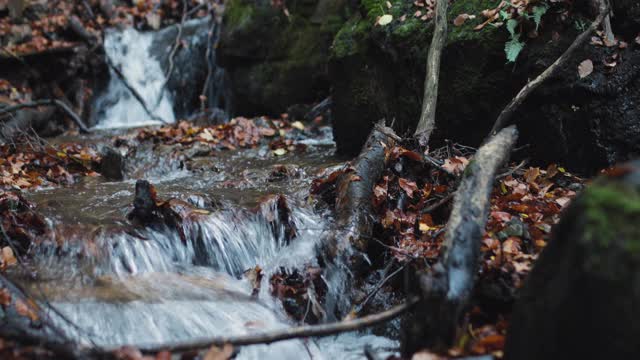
(411, 216)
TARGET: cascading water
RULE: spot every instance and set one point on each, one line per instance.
(129, 51)
(120, 284)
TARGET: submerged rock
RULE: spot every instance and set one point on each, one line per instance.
(582, 298)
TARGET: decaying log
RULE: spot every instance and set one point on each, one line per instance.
(430, 98)
(355, 191)
(447, 288)
(507, 113)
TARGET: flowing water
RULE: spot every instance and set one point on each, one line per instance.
(121, 284)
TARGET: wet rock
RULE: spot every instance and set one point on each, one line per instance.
(189, 65)
(515, 227)
(273, 59)
(21, 224)
(588, 123)
(145, 204)
(582, 298)
(378, 73)
(112, 165)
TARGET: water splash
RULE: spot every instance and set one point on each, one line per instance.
(129, 51)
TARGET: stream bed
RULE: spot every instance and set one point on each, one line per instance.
(120, 284)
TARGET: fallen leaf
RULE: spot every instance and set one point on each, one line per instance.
(408, 186)
(585, 68)
(460, 19)
(455, 165)
(8, 258)
(385, 19)
(279, 152)
(531, 174)
(297, 125)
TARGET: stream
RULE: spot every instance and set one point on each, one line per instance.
(119, 285)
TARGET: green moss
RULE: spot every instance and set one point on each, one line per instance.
(238, 14)
(465, 32)
(612, 212)
(351, 38)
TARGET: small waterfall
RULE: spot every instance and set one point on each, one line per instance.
(143, 62)
(129, 51)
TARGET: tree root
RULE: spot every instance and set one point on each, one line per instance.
(49, 102)
(507, 113)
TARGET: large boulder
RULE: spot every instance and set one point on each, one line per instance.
(582, 299)
(277, 55)
(190, 67)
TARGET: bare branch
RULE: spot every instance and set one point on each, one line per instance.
(506, 114)
(430, 97)
(49, 102)
(284, 334)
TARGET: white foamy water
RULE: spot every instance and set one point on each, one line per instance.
(152, 287)
(129, 51)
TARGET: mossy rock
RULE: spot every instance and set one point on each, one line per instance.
(273, 59)
(473, 63)
(582, 298)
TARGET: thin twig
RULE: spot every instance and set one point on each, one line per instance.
(430, 96)
(508, 112)
(438, 204)
(172, 54)
(207, 80)
(380, 285)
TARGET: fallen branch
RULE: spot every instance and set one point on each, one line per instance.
(49, 102)
(282, 334)
(430, 97)
(507, 113)
(355, 191)
(447, 288)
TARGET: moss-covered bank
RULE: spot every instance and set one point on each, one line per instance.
(585, 288)
(378, 72)
(275, 60)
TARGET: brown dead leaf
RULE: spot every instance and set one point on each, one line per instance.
(531, 174)
(408, 186)
(5, 297)
(460, 19)
(8, 258)
(455, 165)
(215, 353)
(585, 68)
(26, 310)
